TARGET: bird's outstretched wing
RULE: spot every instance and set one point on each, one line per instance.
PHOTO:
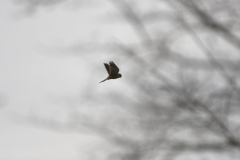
(113, 68)
(107, 68)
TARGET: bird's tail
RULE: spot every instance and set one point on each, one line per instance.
(104, 80)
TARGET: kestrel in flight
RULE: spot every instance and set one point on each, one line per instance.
(112, 70)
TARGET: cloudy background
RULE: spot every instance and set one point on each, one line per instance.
(33, 76)
(178, 97)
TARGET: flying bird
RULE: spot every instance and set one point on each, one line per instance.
(112, 70)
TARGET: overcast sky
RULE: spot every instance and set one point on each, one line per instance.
(33, 73)
(45, 65)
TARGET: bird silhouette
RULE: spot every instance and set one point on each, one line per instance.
(112, 70)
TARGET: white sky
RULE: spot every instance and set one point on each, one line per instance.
(33, 75)
(29, 75)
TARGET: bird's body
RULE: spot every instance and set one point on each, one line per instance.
(112, 70)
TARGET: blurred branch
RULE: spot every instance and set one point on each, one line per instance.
(204, 146)
(133, 19)
(231, 138)
(211, 23)
(198, 41)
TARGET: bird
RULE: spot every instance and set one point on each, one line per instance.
(112, 70)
